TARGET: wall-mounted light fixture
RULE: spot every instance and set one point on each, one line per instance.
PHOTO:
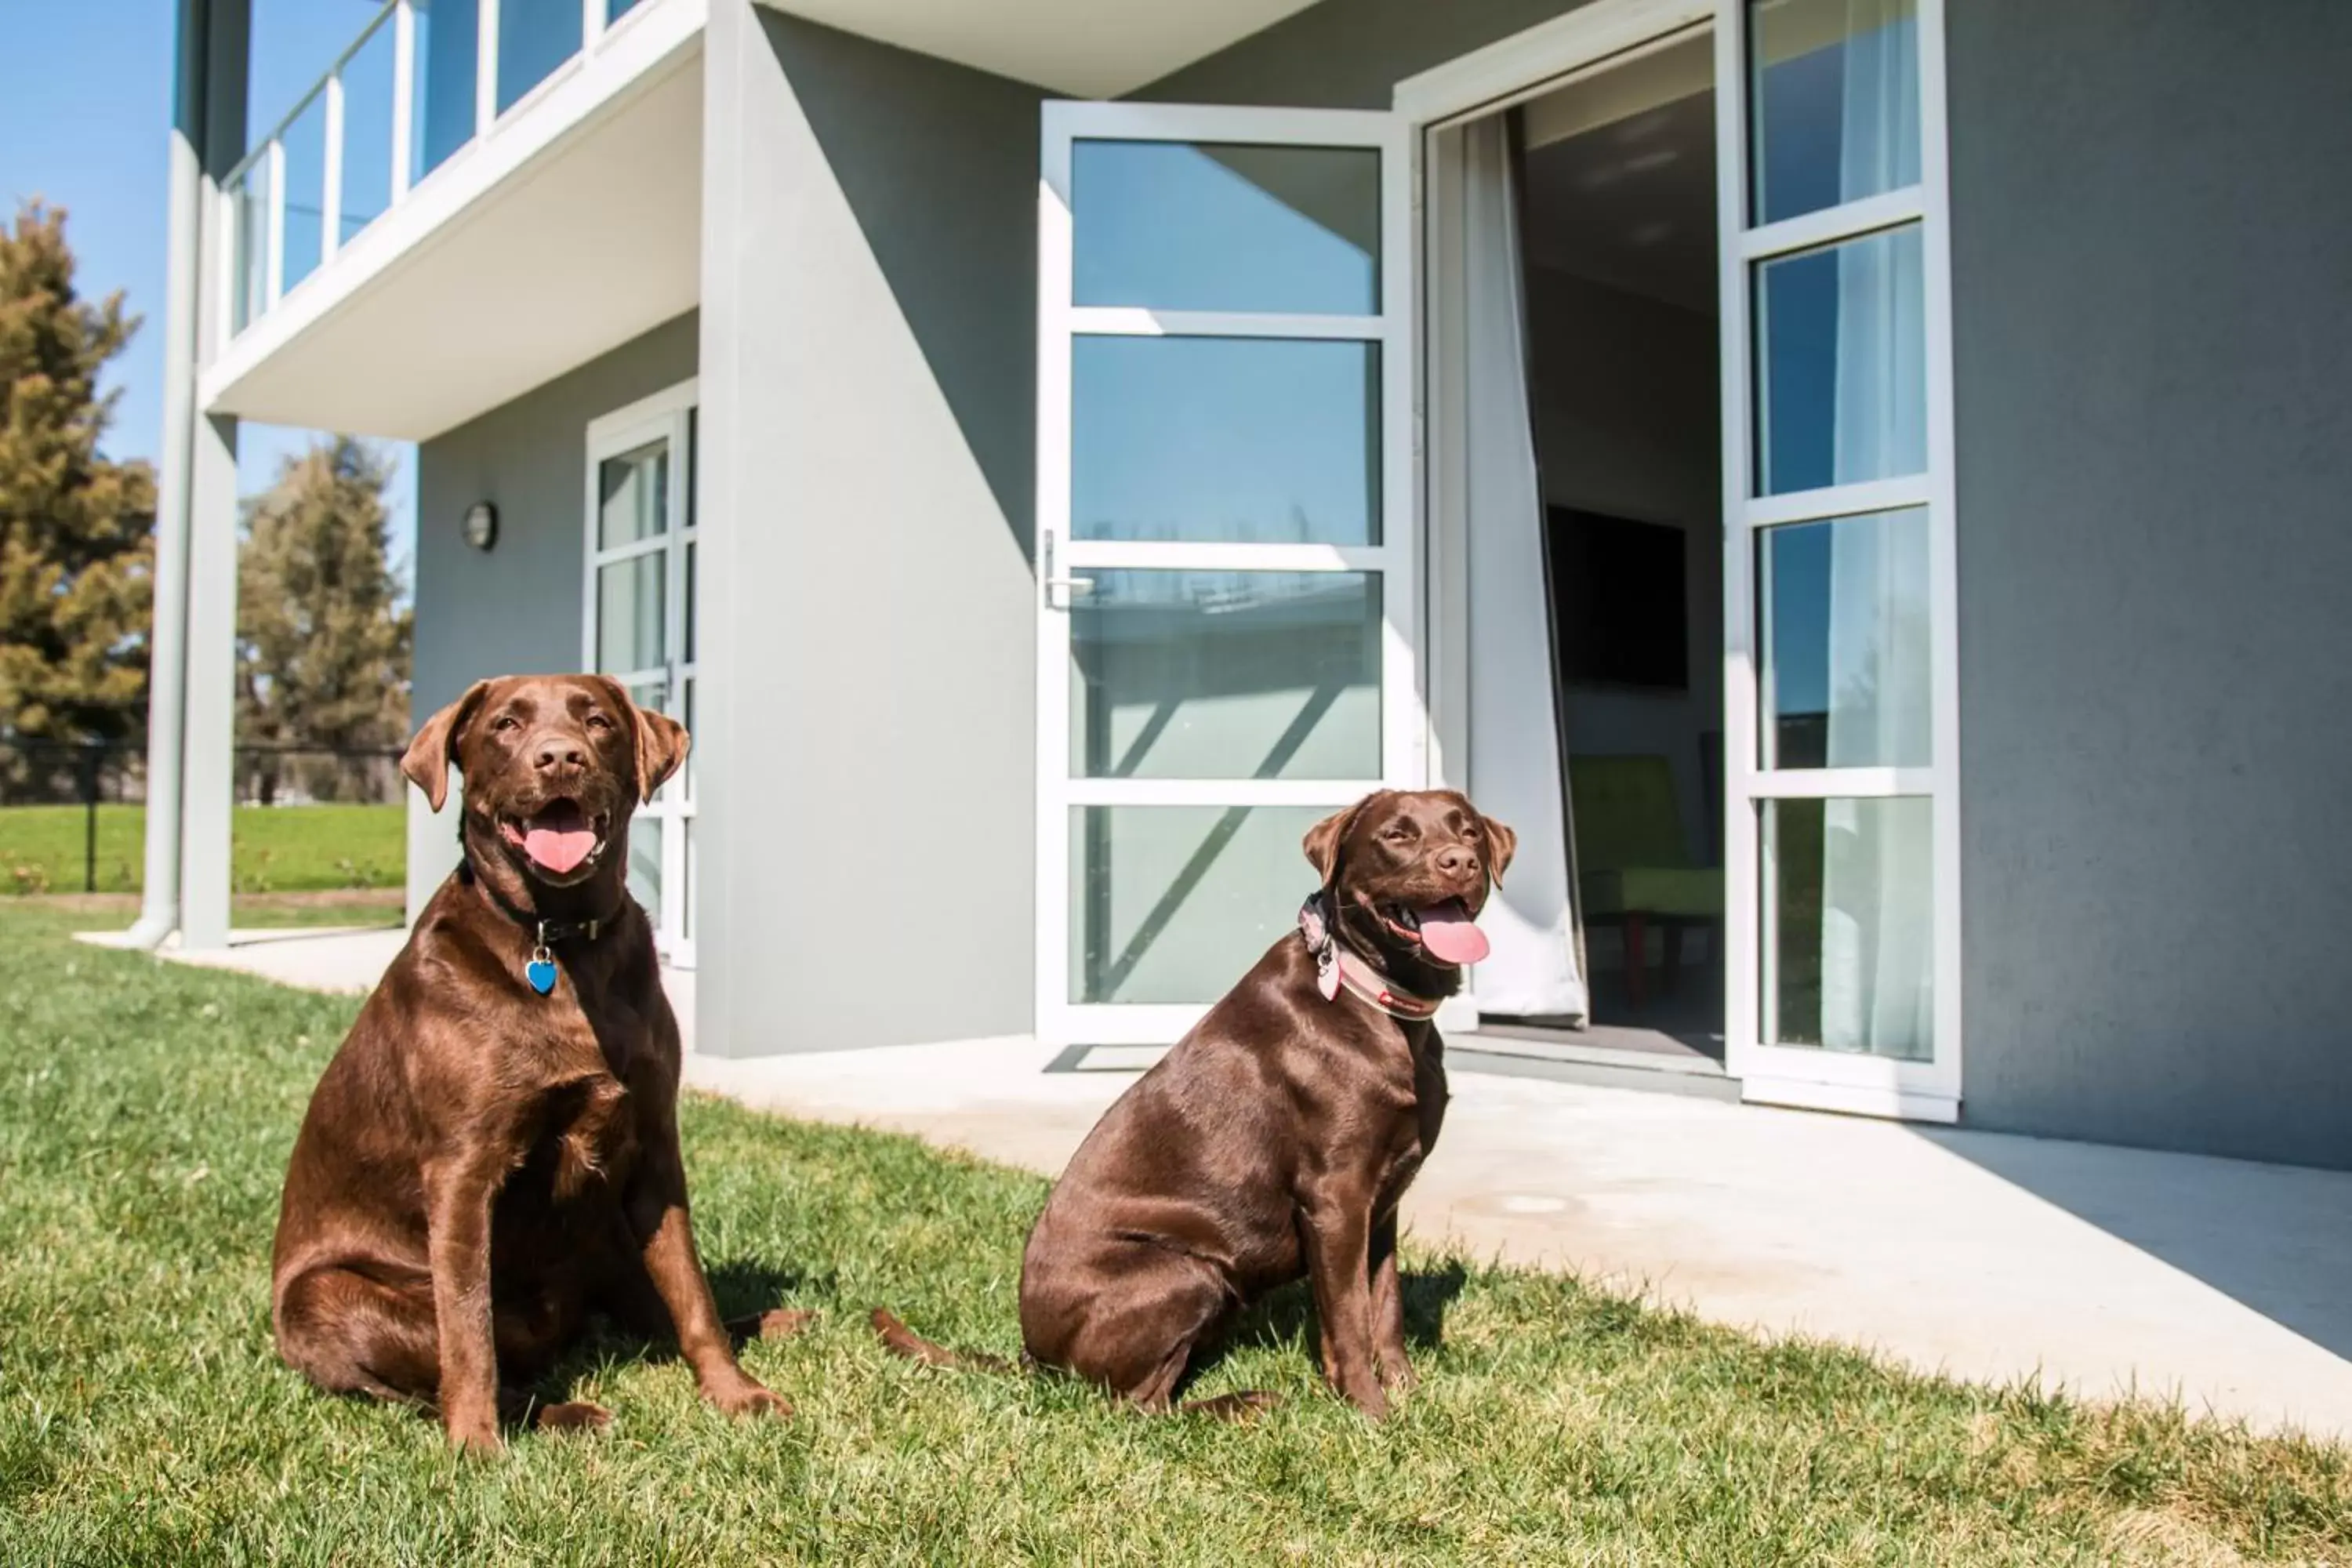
(481, 525)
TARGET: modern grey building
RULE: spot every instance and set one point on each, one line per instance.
(1859, 484)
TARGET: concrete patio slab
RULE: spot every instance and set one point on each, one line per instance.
(2098, 1269)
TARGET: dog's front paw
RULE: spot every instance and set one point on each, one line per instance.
(1399, 1376)
(476, 1436)
(746, 1398)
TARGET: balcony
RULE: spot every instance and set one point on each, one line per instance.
(478, 196)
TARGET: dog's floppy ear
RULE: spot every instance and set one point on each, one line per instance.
(1501, 845)
(662, 742)
(1323, 840)
(427, 760)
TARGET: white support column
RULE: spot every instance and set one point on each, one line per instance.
(486, 68)
(330, 200)
(744, 100)
(208, 137)
(592, 24)
(404, 96)
(208, 779)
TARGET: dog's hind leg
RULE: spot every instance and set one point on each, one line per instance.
(351, 1332)
(1137, 1337)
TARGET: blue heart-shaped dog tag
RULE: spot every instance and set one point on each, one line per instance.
(540, 973)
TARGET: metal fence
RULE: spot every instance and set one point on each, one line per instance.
(96, 774)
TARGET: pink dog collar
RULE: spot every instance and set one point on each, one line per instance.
(1337, 966)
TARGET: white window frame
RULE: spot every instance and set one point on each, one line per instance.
(667, 416)
(1530, 63)
(1397, 559)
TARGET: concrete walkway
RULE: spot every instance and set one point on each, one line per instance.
(2096, 1268)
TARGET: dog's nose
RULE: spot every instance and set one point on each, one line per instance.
(1456, 860)
(557, 753)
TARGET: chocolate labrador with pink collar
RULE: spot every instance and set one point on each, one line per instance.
(1276, 1140)
(493, 1152)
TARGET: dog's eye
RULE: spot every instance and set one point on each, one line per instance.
(598, 721)
(504, 723)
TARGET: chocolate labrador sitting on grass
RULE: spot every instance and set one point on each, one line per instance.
(493, 1152)
(1276, 1140)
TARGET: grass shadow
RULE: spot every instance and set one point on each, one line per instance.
(744, 1289)
(1284, 1319)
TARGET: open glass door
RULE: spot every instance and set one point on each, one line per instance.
(1841, 684)
(1226, 537)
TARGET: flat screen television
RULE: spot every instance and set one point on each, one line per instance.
(1620, 605)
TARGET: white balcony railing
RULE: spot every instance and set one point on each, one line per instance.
(424, 80)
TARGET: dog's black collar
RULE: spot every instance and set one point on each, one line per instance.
(545, 934)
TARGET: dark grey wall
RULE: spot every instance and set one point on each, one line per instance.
(2152, 259)
(869, 329)
(517, 608)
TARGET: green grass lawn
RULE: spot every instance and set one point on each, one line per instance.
(274, 849)
(147, 1113)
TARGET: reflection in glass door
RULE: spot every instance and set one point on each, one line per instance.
(639, 621)
(1844, 846)
(1226, 537)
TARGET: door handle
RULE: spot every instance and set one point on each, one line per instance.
(1059, 590)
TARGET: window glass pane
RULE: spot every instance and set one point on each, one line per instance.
(306, 191)
(1850, 945)
(690, 617)
(645, 829)
(1237, 440)
(367, 132)
(617, 9)
(534, 37)
(250, 286)
(1842, 356)
(447, 56)
(1239, 675)
(1834, 86)
(685, 715)
(629, 614)
(1173, 903)
(1845, 659)
(645, 865)
(1176, 226)
(633, 492)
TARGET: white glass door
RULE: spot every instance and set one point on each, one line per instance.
(1226, 537)
(1843, 842)
(639, 621)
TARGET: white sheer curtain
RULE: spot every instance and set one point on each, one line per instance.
(1877, 926)
(1534, 968)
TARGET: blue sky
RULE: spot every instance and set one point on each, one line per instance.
(84, 123)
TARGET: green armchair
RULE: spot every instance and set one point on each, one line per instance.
(1633, 867)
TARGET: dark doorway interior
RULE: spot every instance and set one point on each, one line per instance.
(1618, 236)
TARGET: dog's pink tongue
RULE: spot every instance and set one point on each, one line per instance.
(558, 840)
(1447, 932)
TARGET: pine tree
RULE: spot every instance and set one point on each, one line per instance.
(76, 530)
(324, 640)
